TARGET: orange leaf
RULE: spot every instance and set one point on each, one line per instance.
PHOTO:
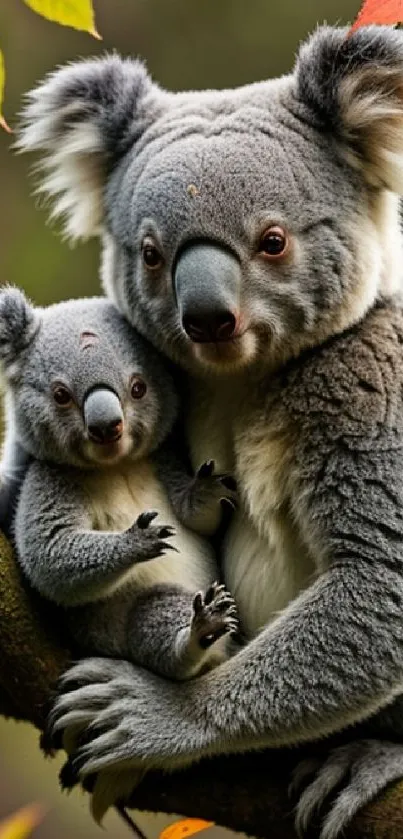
(184, 828)
(379, 12)
(21, 824)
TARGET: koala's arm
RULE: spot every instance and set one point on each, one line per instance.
(173, 631)
(14, 464)
(63, 557)
(335, 654)
(197, 500)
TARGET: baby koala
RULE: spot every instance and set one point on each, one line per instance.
(93, 405)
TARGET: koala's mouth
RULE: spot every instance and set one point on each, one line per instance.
(229, 355)
(108, 453)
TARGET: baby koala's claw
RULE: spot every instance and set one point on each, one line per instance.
(144, 519)
(148, 539)
(166, 532)
(215, 614)
(206, 469)
(208, 497)
(165, 546)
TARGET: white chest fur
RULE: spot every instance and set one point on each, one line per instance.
(264, 572)
(209, 419)
(265, 562)
(116, 498)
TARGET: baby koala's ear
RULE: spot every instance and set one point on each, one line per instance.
(19, 322)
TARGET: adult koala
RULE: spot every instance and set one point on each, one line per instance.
(253, 236)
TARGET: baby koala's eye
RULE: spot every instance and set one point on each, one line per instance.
(151, 255)
(274, 242)
(62, 396)
(138, 387)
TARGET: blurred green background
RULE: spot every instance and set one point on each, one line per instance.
(209, 43)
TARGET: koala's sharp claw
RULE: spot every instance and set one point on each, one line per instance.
(166, 532)
(88, 783)
(210, 594)
(224, 604)
(68, 776)
(145, 519)
(198, 602)
(206, 469)
(229, 483)
(228, 504)
(232, 619)
(214, 615)
(167, 547)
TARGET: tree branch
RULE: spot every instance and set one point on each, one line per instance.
(32, 652)
(246, 793)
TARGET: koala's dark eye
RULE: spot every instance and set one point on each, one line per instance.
(138, 387)
(151, 255)
(62, 396)
(274, 242)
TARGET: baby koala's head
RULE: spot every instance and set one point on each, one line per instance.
(83, 387)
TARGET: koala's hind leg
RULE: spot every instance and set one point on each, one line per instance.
(172, 631)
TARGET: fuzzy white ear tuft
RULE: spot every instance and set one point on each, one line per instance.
(354, 84)
(371, 110)
(73, 178)
(82, 118)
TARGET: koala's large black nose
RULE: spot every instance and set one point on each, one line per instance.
(209, 326)
(103, 416)
(207, 284)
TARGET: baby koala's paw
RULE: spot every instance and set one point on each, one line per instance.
(215, 615)
(149, 539)
(207, 493)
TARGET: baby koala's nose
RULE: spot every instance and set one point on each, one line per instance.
(103, 416)
(108, 432)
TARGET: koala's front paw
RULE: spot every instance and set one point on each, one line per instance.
(149, 539)
(215, 614)
(205, 497)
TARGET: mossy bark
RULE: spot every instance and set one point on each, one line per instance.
(32, 655)
(246, 793)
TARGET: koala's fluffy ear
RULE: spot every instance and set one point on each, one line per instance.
(19, 322)
(354, 85)
(82, 118)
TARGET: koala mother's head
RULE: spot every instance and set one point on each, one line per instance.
(238, 226)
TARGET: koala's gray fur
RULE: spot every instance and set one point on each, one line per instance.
(294, 373)
(83, 535)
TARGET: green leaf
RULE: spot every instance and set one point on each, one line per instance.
(3, 123)
(76, 13)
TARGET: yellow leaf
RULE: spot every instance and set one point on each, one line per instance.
(22, 823)
(76, 13)
(3, 123)
(182, 829)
